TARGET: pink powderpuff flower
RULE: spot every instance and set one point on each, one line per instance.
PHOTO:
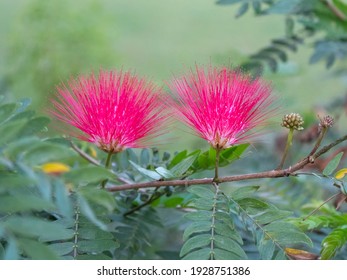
(115, 110)
(222, 105)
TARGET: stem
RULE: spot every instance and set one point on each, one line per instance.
(214, 211)
(84, 155)
(258, 225)
(266, 174)
(153, 197)
(216, 169)
(320, 206)
(319, 140)
(107, 165)
(75, 246)
(339, 14)
(288, 145)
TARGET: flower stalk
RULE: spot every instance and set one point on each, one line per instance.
(292, 121)
(287, 148)
(107, 166)
(216, 169)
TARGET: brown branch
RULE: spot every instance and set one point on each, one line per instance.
(92, 160)
(335, 10)
(260, 175)
(84, 155)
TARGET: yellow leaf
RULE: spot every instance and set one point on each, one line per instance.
(341, 173)
(54, 168)
(92, 152)
(296, 254)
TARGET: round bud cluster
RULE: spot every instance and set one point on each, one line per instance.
(293, 121)
(326, 122)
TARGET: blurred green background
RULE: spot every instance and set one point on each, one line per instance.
(45, 42)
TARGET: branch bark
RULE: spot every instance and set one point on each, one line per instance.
(260, 175)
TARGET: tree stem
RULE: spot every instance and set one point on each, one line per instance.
(266, 174)
(107, 165)
(216, 168)
(286, 150)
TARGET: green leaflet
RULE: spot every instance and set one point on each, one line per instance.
(148, 173)
(273, 233)
(36, 250)
(333, 242)
(332, 165)
(39, 228)
(182, 167)
(89, 174)
(196, 242)
(212, 234)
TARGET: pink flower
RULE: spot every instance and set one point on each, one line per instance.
(222, 105)
(115, 110)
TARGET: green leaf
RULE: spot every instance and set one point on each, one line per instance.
(182, 167)
(244, 192)
(242, 10)
(230, 245)
(2, 252)
(10, 130)
(196, 227)
(200, 215)
(271, 216)
(11, 250)
(144, 157)
(97, 246)
(34, 125)
(11, 182)
(201, 254)
(132, 155)
(202, 191)
(99, 197)
(227, 231)
(178, 158)
(220, 254)
(284, 7)
(266, 248)
(6, 111)
(90, 214)
(167, 174)
(20, 146)
(228, 2)
(92, 232)
(36, 250)
(195, 242)
(148, 173)
(203, 204)
(22, 202)
(89, 174)
(253, 205)
(62, 199)
(332, 165)
(45, 152)
(61, 248)
(231, 154)
(286, 234)
(35, 227)
(94, 257)
(333, 242)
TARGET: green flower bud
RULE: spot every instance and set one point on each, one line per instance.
(293, 121)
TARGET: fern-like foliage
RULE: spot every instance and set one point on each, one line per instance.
(212, 234)
(272, 232)
(333, 242)
(271, 56)
(135, 233)
(39, 216)
(329, 219)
